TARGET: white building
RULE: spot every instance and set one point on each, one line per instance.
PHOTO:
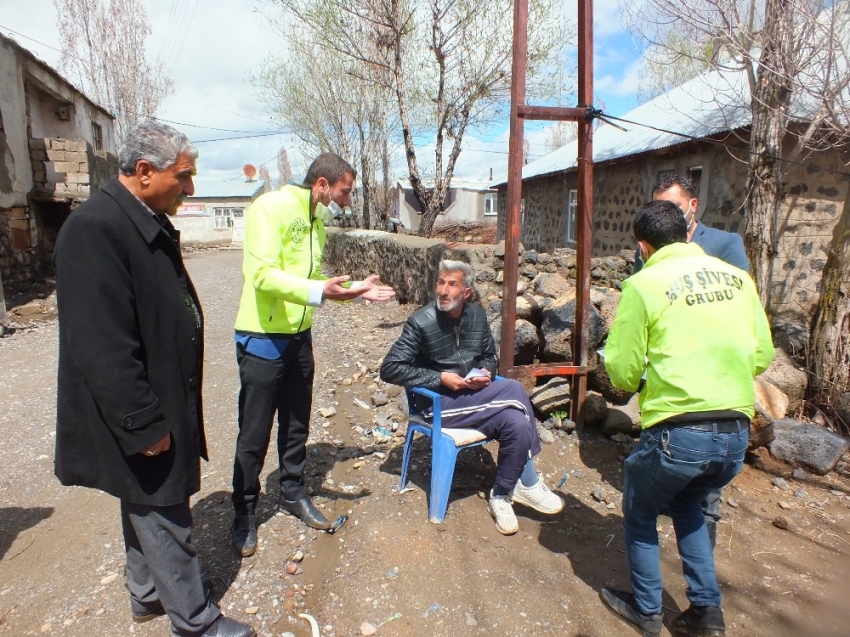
(214, 215)
(466, 200)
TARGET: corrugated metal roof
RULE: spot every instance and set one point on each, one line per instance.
(711, 103)
(706, 105)
(224, 188)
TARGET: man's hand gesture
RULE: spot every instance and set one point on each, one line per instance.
(367, 289)
(375, 292)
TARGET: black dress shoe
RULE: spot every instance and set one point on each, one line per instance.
(622, 604)
(304, 510)
(244, 534)
(148, 613)
(227, 627)
(699, 621)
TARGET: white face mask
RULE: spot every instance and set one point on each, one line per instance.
(327, 213)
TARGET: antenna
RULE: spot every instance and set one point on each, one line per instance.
(250, 171)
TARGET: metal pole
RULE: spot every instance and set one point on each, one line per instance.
(514, 194)
(585, 205)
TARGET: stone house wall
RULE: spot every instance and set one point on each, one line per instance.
(811, 208)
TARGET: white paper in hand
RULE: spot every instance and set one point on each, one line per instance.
(475, 372)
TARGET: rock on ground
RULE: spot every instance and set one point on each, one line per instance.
(806, 445)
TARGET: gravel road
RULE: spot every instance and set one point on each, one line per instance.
(61, 552)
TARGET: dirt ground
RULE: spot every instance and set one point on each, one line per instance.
(61, 553)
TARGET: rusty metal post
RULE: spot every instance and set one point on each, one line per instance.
(514, 194)
(585, 205)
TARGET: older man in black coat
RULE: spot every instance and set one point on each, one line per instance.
(129, 415)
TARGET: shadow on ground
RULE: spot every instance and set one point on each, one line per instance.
(15, 520)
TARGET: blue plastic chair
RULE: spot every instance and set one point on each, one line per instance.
(445, 445)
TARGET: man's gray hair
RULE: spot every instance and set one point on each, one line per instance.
(154, 142)
(458, 266)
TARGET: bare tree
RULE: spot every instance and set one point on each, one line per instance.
(446, 62)
(266, 178)
(103, 49)
(791, 52)
(348, 115)
(283, 167)
(829, 350)
(560, 134)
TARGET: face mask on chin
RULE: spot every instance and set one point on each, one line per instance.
(327, 213)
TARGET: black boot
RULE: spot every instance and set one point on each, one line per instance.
(700, 621)
(244, 533)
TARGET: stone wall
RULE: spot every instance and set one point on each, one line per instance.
(409, 263)
(18, 259)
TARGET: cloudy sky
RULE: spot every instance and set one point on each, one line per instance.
(210, 47)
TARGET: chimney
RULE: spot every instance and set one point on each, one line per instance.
(491, 173)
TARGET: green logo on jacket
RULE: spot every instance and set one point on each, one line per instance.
(300, 229)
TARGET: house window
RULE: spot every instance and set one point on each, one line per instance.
(572, 210)
(96, 136)
(223, 218)
(491, 201)
(695, 175)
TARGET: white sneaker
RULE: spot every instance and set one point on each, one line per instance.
(503, 513)
(538, 497)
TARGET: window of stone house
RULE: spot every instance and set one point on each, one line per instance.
(572, 210)
(96, 136)
(491, 201)
(695, 175)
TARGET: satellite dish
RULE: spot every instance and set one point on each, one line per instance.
(250, 171)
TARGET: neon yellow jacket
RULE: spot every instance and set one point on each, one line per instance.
(282, 263)
(696, 326)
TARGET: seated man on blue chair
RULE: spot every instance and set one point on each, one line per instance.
(438, 347)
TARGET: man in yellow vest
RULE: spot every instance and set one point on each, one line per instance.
(694, 324)
(282, 267)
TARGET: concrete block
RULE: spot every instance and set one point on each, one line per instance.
(71, 155)
(17, 212)
(65, 167)
(38, 143)
(38, 155)
(19, 224)
(77, 178)
(57, 144)
(56, 155)
(83, 167)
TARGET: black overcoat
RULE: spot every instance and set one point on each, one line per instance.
(130, 353)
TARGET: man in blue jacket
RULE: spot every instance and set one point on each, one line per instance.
(727, 246)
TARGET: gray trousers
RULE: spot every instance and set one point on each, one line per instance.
(163, 568)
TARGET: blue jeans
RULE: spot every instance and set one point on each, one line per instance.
(676, 467)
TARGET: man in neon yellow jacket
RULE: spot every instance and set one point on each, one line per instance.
(283, 246)
(695, 326)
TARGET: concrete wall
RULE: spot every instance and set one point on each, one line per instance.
(15, 171)
(811, 208)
